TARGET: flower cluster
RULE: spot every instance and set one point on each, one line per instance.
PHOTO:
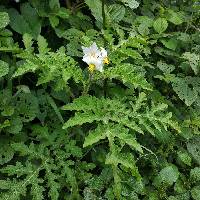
(95, 58)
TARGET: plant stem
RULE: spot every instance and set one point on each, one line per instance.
(87, 87)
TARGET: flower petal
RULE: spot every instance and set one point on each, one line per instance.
(104, 53)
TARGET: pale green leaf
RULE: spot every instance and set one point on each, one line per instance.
(96, 9)
(194, 61)
(26, 22)
(170, 44)
(133, 4)
(167, 176)
(195, 174)
(174, 17)
(181, 87)
(193, 147)
(63, 13)
(185, 158)
(4, 68)
(42, 45)
(165, 68)
(4, 19)
(54, 5)
(195, 192)
(28, 41)
(160, 25)
(95, 136)
(54, 21)
(116, 12)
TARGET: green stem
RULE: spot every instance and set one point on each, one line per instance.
(103, 14)
(87, 87)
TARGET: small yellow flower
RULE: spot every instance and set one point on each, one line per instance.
(106, 61)
(91, 68)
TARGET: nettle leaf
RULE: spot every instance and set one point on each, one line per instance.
(193, 147)
(160, 25)
(174, 17)
(5, 124)
(42, 7)
(170, 44)
(145, 20)
(195, 192)
(179, 186)
(26, 22)
(73, 35)
(54, 21)
(63, 13)
(185, 158)
(185, 196)
(131, 3)
(187, 88)
(18, 23)
(195, 174)
(15, 125)
(31, 16)
(7, 152)
(4, 19)
(116, 12)
(4, 68)
(54, 4)
(165, 68)
(194, 61)
(89, 194)
(166, 177)
(96, 9)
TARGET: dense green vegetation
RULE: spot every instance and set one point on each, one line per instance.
(100, 100)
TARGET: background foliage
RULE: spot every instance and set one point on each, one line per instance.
(131, 132)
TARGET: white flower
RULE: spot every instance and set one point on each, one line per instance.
(91, 51)
(17, 1)
(104, 56)
(94, 57)
(94, 63)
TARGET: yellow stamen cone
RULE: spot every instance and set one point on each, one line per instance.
(91, 68)
(106, 61)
